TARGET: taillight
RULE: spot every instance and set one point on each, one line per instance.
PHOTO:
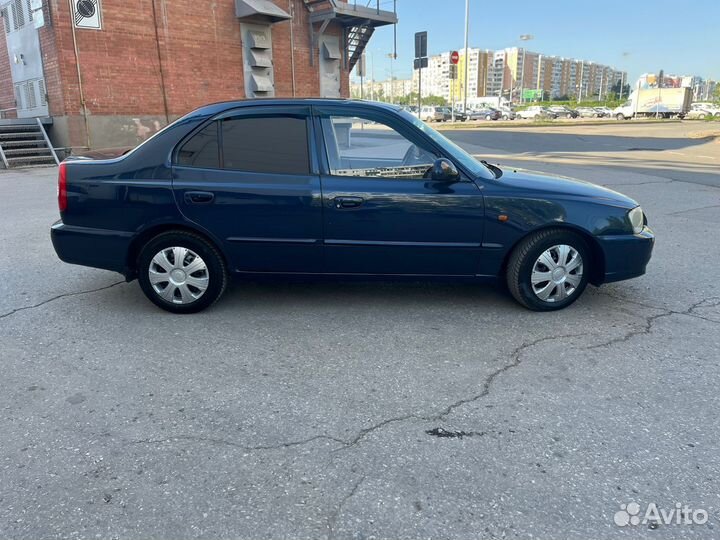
(62, 187)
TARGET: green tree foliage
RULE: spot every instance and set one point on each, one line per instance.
(412, 99)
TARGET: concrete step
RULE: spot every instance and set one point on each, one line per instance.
(39, 151)
(19, 127)
(26, 142)
(30, 160)
(21, 135)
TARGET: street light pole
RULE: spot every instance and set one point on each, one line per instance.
(392, 78)
(467, 31)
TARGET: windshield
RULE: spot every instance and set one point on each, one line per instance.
(466, 160)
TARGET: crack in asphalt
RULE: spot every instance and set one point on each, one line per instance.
(516, 360)
(516, 356)
(225, 442)
(58, 297)
(332, 518)
(649, 321)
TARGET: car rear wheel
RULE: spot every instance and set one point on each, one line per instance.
(549, 270)
(181, 272)
(488, 117)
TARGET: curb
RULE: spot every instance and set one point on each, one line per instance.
(551, 123)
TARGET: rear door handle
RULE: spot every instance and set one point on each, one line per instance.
(348, 202)
(199, 197)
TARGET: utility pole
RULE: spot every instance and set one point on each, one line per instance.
(467, 31)
(372, 75)
(538, 75)
(392, 78)
(622, 76)
(582, 66)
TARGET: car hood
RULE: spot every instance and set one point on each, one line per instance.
(564, 186)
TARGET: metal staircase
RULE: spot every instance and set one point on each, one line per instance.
(24, 143)
(358, 20)
(357, 40)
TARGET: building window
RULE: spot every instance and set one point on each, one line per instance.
(5, 15)
(41, 90)
(18, 15)
(273, 145)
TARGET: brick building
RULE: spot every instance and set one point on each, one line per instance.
(107, 73)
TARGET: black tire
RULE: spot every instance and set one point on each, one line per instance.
(216, 270)
(620, 116)
(523, 258)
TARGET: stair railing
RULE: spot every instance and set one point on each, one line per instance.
(4, 159)
(47, 141)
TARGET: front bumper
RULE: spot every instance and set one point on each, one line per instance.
(626, 256)
(98, 248)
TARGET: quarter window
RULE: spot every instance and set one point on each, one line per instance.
(273, 144)
(202, 150)
(361, 147)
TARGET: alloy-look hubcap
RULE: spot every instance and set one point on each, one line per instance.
(178, 275)
(557, 273)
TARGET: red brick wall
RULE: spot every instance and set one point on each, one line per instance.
(7, 91)
(200, 48)
(201, 53)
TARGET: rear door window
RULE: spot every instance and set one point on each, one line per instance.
(271, 144)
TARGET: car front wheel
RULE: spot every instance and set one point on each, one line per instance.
(181, 272)
(549, 270)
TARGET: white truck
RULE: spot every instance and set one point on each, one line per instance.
(662, 102)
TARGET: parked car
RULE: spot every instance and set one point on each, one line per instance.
(433, 114)
(587, 112)
(563, 112)
(459, 115)
(335, 188)
(507, 113)
(607, 112)
(707, 108)
(536, 111)
(696, 113)
(486, 113)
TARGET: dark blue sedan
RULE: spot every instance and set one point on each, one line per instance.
(335, 188)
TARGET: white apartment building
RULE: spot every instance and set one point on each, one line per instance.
(508, 72)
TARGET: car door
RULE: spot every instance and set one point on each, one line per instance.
(381, 215)
(250, 178)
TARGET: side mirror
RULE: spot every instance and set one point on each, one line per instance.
(443, 170)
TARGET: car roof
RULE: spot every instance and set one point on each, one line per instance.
(287, 102)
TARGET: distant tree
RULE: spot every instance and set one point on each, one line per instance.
(434, 100)
(412, 99)
(615, 90)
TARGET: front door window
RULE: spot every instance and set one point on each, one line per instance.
(362, 147)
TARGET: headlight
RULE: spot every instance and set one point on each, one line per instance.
(637, 219)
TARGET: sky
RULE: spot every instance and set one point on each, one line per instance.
(682, 37)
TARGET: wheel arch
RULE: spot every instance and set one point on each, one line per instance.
(151, 232)
(597, 269)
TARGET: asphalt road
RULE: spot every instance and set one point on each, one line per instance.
(367, 410)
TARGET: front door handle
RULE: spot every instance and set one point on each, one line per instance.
(199, 197)
(348, 202)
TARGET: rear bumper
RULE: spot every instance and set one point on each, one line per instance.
(626, 256)
(98, 248)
